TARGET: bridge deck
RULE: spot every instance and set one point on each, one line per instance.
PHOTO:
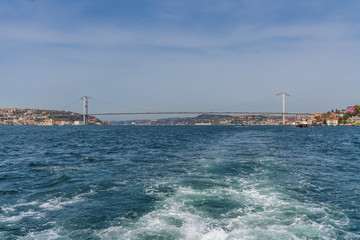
(197, 113)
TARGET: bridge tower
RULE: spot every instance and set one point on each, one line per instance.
(85, 110)
(283, 94)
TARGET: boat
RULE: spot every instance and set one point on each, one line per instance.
(302, 124)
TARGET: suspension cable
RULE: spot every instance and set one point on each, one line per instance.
(113, 104)
(248, 103)
(307, 103)
(70, 104)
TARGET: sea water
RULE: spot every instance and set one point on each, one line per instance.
(179, 182)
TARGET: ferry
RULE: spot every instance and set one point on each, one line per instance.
(302, 124)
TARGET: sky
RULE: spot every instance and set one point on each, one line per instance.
(188, 55)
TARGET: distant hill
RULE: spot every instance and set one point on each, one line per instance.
(17, 116)
(209, 119)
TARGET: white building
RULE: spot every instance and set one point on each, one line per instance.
(354, 120)
(332, 122)
(78, 123)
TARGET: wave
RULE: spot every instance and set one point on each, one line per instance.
(36, 209)
(49, 234)
(60, 202)
(26, 214)
(246, 210)
(12, 208)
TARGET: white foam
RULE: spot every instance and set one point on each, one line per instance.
(8, 208)
(215, 234)
(43, 235)
(60, 202)
(21, 215)
(12, 208)
(264, 212)
(195, 227)
(168, 220)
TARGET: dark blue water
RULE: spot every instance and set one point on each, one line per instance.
(179, 182)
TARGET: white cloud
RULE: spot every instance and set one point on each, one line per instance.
(110, 37)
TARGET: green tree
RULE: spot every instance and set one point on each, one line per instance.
(356, 109)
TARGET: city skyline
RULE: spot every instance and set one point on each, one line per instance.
(188, 55)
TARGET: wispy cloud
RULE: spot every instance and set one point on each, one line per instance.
(115, 36)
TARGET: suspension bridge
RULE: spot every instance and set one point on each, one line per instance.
(86, 113)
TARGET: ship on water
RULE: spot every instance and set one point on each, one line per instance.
(302, 124)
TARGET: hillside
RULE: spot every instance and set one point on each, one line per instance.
(16, 116)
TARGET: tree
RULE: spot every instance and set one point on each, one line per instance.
(357, 109)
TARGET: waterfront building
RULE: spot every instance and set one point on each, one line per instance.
(332, 122)
(354, 120)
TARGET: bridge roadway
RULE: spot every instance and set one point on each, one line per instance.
(199, 113)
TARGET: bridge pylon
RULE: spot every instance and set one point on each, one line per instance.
(283, 105)
(85, 109)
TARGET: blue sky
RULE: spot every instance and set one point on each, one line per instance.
(184, 55)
